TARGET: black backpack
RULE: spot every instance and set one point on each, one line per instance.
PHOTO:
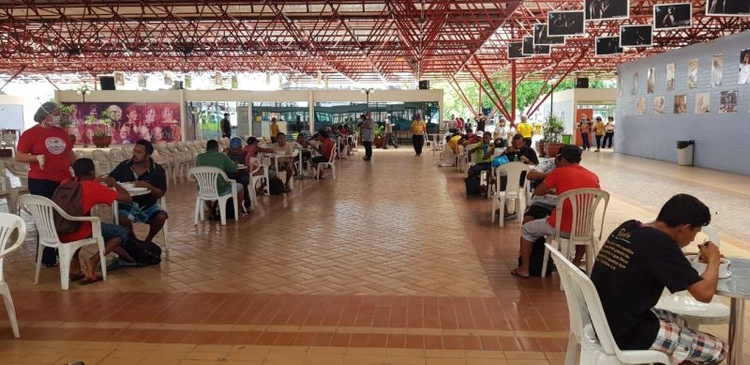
(144, 253)
(537, 259)
(276, 186)
(69, 197)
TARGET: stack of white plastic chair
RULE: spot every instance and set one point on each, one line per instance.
(462, 158)
(590, 341)
(8, 224)
(182, 159)
(583, 205)
(513, 190)
(102, 163)
(166, 159)
(7, 190)
(116, 156)
(9, 141)
(127, 150)
(207, 178)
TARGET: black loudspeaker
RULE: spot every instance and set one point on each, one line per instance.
(107, 82)
(424, 85)
(582, 83)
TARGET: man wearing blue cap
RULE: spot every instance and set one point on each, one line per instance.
(241, 157)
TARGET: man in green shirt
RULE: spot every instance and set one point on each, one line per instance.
(212, 157)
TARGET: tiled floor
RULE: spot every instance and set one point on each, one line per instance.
(389, 264)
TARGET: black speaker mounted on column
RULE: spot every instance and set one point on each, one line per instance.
(107, 82)
(582, 83)
(424, 85)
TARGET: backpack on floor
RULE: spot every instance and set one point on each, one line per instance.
(473, 185)
(69, 197)
(537, 259)
(142, 252)
(216, 215)
(276, 186)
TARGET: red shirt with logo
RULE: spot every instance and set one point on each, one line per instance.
(54, 144)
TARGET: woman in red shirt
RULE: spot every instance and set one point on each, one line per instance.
(49, 153)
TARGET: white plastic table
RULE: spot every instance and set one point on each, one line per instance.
(736, 287)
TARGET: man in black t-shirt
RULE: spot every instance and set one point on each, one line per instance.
(634, 266)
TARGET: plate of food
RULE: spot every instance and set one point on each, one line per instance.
(699, 264)
(135, 190)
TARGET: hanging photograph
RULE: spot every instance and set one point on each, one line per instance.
(634, 85)
(673, 16)
(717, 69)
(744, 75)
(635, 35)
(564, 23)
(693, 74)
(620, 86)
(728, 7)
(659, 105)
(142, 80)
(542, 38)
(728, 102)
(650, 81)
(680, 104)
(530, 49)
(119, 79)
(608, 46)
(188, 81)
(235, 82)
(702, 103)
(606, 9)
(515, 50)
(640, 106)
(670, 76)
(168, 79)
(218, 81)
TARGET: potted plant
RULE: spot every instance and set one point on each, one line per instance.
(101, 138)
(553, 129)
(66, 122)
(379, 134)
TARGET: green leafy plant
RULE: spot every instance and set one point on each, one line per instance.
(553, 128)
(66, 112)
(106, 118)
(379, 130)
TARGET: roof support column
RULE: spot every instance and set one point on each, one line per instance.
(512, 93)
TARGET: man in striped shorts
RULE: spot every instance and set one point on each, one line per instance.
(638, 261)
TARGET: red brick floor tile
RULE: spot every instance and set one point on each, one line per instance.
(268, 338)
(490, 343)
(304, 339)
(378, 340)
(472, 343)
(396, 341)
(433, 342)
(323, 339)
(414, 341)
(285, 339)
(341, 339)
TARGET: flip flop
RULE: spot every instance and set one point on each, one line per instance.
(88, 281)
(515, 273)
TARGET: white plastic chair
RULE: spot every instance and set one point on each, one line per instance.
(9, 192)
(207, 178)
(584, 203)
(116, 156)
(513, 190)
(8, 224)
(331, 163)
(42, 211)
(590, 339)
(127, 150)
(253, 169)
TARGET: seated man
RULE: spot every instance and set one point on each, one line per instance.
(212, 157)
(325, 149)
(648, 257)
(144, 173)
(240, 157)
(93, 193)
(285, 163)
(518, 151)
(567, 176)
(483, 154)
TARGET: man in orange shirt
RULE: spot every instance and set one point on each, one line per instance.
(93, 193)
(568, 175)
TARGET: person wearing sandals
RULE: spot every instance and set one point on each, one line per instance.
(93, 193)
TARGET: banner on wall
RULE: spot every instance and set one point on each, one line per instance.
(156, 122)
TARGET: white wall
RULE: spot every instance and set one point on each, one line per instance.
(28, 105)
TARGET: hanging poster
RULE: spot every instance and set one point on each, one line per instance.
(564, 23)
(634, 85)
(119, 79)
(659, 105)
(608, 46)
(673, 16)
(731, 7)
(235, 82)
(606, 9)
(142, 80)
(680, 104)
(636, 35)
(728, 102)
(650, 81)
(670, 76)
(744, 75)
(218, 81)
(541, 37)
(188, 81)
(168, 79)
(693, 74)
(717, 69)
(640, 106)
(702, 103)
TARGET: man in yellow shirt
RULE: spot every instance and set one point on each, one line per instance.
(418, 129)
(274, 128)
(526, 130)
(598, 132)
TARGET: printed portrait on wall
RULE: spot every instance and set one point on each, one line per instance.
(728, 102)
(702, 103)
(650, 81)
(693, 74)
(620, 86)
(142, 80)
(680, 104)
(744, 75)
(634, 85)
(640, 106)
(670, 76)
(717, 69)
(659, 105)
(119, 79)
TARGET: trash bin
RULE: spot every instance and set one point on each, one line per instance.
(566, 138)
(685, 152)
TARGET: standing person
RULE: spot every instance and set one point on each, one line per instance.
(389, 134)
(226, 127)
(501, 133)
(49, 153)
(647, 259)
(526, 130)
(585, 127)
(609, 132)
(481, 122)
(598, 132)
(274, 128)
(418, 129)
(368, 134)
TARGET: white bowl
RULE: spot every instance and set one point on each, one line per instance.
(127, 185)
(701, 267)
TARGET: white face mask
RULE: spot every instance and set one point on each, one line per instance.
(55, 121)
